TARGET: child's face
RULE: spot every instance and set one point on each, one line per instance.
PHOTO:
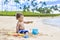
(21, 18)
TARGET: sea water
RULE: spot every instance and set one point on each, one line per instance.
(53, 21)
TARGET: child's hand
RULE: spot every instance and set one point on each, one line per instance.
(31, 21)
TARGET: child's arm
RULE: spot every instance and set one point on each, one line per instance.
(28, 22)
(17, 28)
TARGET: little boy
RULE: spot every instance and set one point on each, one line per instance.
(20, 24)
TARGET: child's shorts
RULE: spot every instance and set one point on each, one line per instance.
(23, 31)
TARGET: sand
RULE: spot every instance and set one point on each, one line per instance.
(47, 32)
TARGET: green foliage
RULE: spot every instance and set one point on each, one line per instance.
(54, 7)
(44, 10)
(26, 8)
(12, 13)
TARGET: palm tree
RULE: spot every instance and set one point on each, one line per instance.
(33, 4)
(28, 7)
(43, 3)
(41, 9)
(44, 10)
(28, 0)
(24, 8)
(54, 7)
(17, 1)
(47, 10)
(59, 9)
(6, 2)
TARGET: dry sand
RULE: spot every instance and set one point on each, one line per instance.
(48, 32)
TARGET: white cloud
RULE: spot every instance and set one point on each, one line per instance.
(22, 1)
(0, 0)
(58, 5)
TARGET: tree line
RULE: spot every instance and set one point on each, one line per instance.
(36, 6)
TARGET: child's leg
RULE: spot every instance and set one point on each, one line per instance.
(23, 31)
(26, 32)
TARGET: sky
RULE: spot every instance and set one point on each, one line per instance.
(12, 5)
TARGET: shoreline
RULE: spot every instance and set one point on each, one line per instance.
(51, 25)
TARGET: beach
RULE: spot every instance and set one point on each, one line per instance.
(48, 32)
